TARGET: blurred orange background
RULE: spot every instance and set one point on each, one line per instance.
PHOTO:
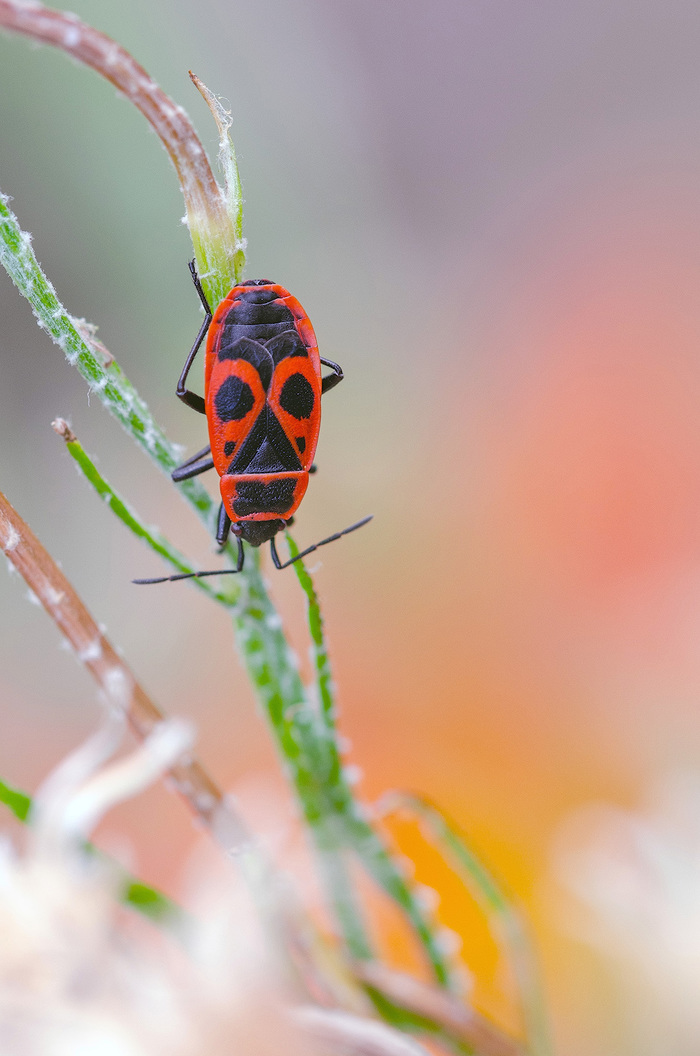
(490, 213)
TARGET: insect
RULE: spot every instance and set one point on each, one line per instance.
(263, 388)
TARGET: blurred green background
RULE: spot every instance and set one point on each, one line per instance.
(490, 213)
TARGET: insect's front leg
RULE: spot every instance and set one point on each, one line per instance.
(192, 399)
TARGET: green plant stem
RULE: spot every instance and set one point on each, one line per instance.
(107, 381)
(500, 910)
(128, 516)
(356, 832)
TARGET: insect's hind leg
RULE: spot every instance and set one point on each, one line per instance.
(192, 467)
(223, 528)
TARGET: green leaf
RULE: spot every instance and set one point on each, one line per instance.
(128, 516)
(19, 803)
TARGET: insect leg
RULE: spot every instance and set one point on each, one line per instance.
(196, 457)
(191, 398)
(197, 575)
(193, 466)
(223, 528)
(331, 539)
(331, 380)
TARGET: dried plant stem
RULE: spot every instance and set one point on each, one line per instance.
(344, 1034)
(212, 231)
(96, 653)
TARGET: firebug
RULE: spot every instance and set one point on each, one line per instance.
(262, 400)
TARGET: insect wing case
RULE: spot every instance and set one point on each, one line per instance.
(263, 400)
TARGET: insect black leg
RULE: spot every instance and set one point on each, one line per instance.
(331, 380)
(196, 457)
(198, 287)
(331, 539)
(223, 528)
(313, 468)
(187, 472)
(191, 398)
(199, 576)
(183, 472)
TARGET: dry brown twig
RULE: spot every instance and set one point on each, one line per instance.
(203, 198)
(112, 674)
(67, 32)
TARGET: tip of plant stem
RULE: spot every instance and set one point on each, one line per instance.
(229, 167)
(219, 113)
(61, 426)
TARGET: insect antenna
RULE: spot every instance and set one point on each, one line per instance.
(331, 539)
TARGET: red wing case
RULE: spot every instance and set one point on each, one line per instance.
(263, 400)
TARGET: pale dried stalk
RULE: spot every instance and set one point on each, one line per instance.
(344, 1034)
(203, 198)
(96, 653)
(437, 1006)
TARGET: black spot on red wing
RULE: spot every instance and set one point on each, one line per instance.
(297, 396)
(234, 400)
(286, 344)
(229, 447)
(301, 443)
(256, 496)
(254, 353)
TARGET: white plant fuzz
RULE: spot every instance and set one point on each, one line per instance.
(13, 540)
(80, 978)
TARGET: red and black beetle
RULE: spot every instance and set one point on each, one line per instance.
(263, 388)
